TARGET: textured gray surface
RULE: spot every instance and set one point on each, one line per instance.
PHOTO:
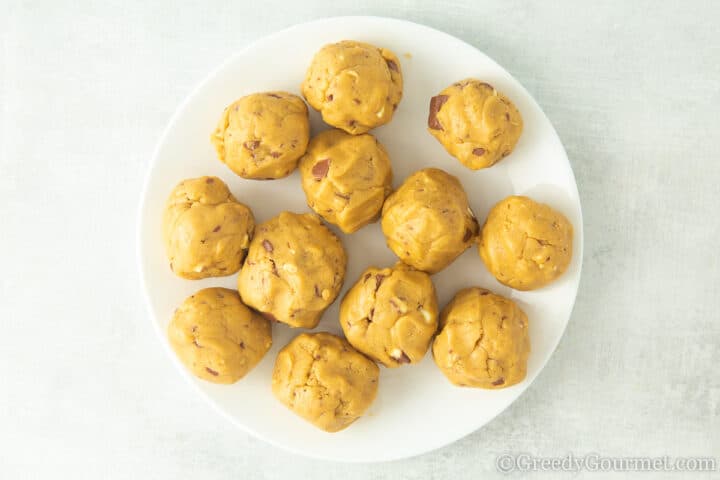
(633, 89)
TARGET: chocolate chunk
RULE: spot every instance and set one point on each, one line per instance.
(330, 98)
(436, 104)
(321, 168)
(478, 151)
(251, 145)
(499, 381)
(212, 372)
(216, 229)
(267, 245)
(403, 358)
(392, 66)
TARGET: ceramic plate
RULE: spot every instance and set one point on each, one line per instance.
(416, 409)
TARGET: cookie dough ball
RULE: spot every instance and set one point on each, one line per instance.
(324, 380)
(263, 135)
(427, 222)
(483, 341)
(217, 337)
(475, 123)
(346, 178)
(294, 269)
(391, 314)
(206, 231)
(354, 85)
(526, 244)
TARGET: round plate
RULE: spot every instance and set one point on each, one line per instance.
(416, 409)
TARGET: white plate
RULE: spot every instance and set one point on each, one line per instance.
(416, 409)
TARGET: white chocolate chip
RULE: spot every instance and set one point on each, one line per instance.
(396, 353)
(426, 315)
(289, 267)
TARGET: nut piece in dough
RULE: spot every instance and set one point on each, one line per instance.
(354, 85)
(206, 231)
(346, 178)
(294, 269)
(427, 222)
(391, 314)
(324, 380)
(526, 244)
(483, 340)
(217, 337)
(475, 123)
(262, 136)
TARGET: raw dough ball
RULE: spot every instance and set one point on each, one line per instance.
(526, 244)
(354, 85)
(263, 135)
(324, 380)
(294, 269)
(475, 123)
(391, 314)
(217, 337)
(346, 178)
(483, 340)
(427, 222)
(206, 231)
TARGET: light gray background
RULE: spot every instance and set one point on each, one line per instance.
(633, 88)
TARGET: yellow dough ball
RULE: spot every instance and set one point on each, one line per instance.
(321, 378)
(294, 269)
(475, 123)
(354, 85)
(391, 314)
(346, 178)
(427, 222)
(217, 337)
(206, 231)
(263, 135)
(483, 340)
(526, 244)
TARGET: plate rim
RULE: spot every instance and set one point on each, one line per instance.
(578, 246)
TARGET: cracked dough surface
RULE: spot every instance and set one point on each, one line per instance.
(263, 135)
(294, 269)
(475, 123)
(525, 244)
(205, 230)
(427, 222)
(323, 379)
(346, 178)
(483, 340)
(391, 314)
(218, 338)
(355, 86)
